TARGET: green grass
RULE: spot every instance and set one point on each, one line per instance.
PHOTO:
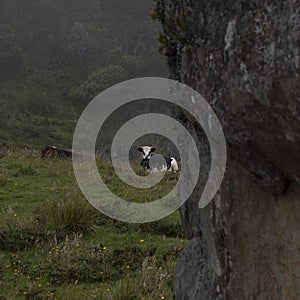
(55, 245)
(44, 120)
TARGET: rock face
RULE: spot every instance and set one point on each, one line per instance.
(243, 58)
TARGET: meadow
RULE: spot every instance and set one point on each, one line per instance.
(55, 245)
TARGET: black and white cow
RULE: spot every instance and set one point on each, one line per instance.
(170, 163)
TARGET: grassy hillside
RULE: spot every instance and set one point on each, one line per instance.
(55, 245)
(57, 55)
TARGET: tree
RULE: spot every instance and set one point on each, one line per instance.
(78, 42)
(100, 80)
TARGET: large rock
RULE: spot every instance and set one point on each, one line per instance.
(243, 57)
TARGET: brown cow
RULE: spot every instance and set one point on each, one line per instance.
(52, 151)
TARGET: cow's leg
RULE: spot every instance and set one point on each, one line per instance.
(174, 164)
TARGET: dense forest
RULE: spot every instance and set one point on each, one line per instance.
(55, 56)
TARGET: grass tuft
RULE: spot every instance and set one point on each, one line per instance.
(66, 216)
(18, 235)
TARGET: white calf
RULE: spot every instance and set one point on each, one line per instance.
(170, 162)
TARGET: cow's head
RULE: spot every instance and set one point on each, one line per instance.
(146, 151)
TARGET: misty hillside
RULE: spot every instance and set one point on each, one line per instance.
(55, 56)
